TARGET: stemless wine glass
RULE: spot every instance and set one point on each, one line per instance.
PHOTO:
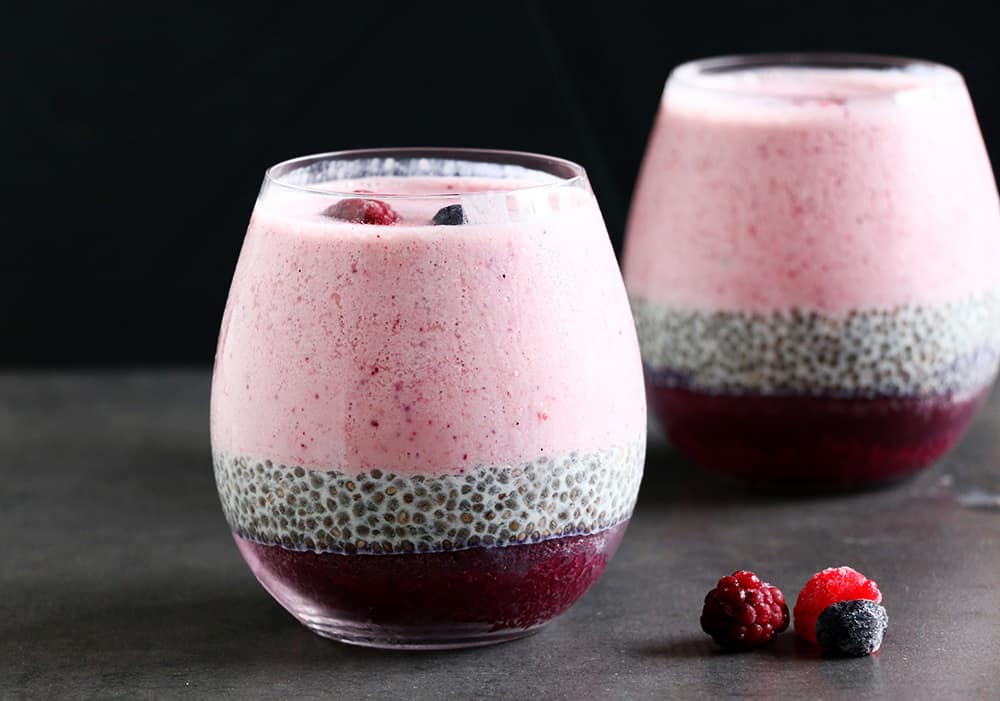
(428, 416)
(812, 258)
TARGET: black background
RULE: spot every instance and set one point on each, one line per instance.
(135, 137)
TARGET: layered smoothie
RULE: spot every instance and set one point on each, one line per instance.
(428, 428)
(811, 259)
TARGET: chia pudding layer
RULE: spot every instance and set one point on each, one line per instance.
(924, 350)
(381, 512)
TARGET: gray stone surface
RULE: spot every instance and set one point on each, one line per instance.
(118, 578)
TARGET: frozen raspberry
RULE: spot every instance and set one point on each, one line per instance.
(362, 211)
(828, 587)
(743, 612)
(852, 628)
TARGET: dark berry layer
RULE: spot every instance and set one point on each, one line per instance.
(812, 439)
(495, 588)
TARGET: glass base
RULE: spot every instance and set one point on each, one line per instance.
(435, 600)
(813, 441)
(409, 637)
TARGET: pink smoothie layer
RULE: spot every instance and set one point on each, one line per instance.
(830, 190)
(426, 349)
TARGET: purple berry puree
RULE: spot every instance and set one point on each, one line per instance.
(478, 595)
(812, 439)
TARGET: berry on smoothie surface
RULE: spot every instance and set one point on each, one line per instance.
(362, 211)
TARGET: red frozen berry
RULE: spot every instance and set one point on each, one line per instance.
(362, 211)
(743, 612)
(828, 587)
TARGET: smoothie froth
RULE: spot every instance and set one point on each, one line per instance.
(420, 348)
(814, 188)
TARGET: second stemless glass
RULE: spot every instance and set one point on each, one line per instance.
(811, 258)
(428, 419)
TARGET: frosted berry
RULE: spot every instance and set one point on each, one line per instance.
(452, 215)
(828, 587)
(852, 628)
(743, 612)
(362, 211)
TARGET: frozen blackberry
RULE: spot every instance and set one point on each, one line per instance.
(852, 627)
(451, 215)
(742, 612)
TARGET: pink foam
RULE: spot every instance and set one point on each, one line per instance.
(424, 349)
(816, 189)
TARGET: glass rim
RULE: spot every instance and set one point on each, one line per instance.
(571, 174)
(691, 73)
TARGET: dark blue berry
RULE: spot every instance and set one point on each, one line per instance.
(451, 215)
(852, 627)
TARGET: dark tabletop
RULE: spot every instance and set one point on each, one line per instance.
(118, 577)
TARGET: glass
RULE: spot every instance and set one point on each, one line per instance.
(811, 260)
(428, 413)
